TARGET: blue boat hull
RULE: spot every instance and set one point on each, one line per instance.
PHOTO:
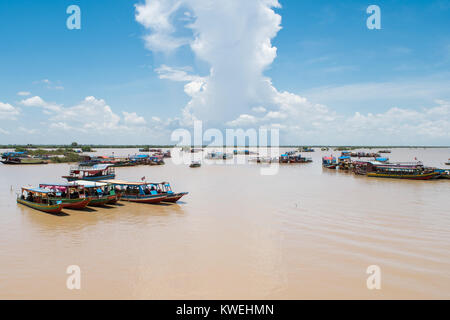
(108, 177)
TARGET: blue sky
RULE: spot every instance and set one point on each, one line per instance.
(325, 54)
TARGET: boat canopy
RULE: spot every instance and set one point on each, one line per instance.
(125, 183)
(64, 185)
(91, 184)
(344, 157)
(38, 190)
(102, 166)
(382, 159)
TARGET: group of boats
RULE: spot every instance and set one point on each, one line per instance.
(17, 158)
(381, 168)
(130, 161)
(94, 187)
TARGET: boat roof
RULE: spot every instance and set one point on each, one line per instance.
(101, 166)
(130, 183)
(90, 184)
(68, 184)
(345, 157)
(124, 183)
(37, 190)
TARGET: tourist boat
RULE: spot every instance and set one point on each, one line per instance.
(448, 163)
(140, 192)
(156, 160)
(329, 162)
(73, 195)
(345, 163)
(99, 193)
(14, 154)
(365, 155)
(306, 149)
(40, 199)
(218, 156)
(195, 164)
(404, 171)
(364, 167)
(292, 158)
(23, 160)
(384, 151)
(266, 160)
(95, 173)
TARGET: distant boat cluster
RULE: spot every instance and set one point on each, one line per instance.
(380, 167)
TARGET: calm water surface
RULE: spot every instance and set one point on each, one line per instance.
(301, 234)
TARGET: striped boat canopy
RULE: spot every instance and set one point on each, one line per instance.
(125, 183)
(38, 190)
(90, 184)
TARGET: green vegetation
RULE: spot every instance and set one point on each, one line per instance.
(69, 157)
(87, 149)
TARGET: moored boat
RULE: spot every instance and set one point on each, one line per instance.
(404, 171)
(140, 192)
(95, 173)
(73, 195)
(23, 161)
(99, 193)
(329, 162)
(345, 163)
(40, 199)
(294, 158)
(195, 164)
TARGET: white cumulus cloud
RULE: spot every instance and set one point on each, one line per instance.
(8, 112)
(234, 37)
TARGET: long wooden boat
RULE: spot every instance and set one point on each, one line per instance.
(421, 176)
(195, 164)
(94, 173)
(23, 161)
(293, 158)
(329, 163)
(139, 192)
(73, 195)
(40, 199)
(404, 171)
(99, 193)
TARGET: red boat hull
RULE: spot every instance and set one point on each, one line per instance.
(153, 200)
(83, 203)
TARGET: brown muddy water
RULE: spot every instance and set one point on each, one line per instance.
(304, 233)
